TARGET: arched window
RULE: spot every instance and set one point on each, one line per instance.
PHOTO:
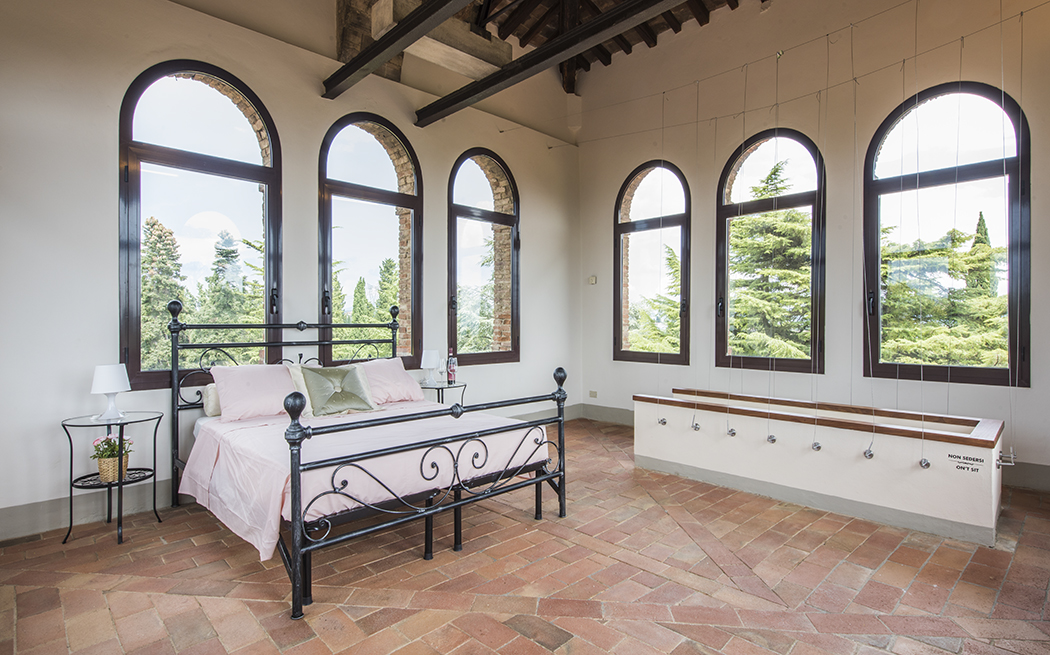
(946, 239)
(483, 260)
(370, 235)
(769, 308)
(651, 266)
(200, 203)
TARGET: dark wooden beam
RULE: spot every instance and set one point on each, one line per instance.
(733, 4)
(583, 62)
(622, 17)
(409, 29)
(647, 34)
(672, 21)
(624, 44)
(535, 28)
(570, 18)
(602, 54)
(700, 11)
(517, 17)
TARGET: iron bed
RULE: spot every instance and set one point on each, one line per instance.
(466, 454)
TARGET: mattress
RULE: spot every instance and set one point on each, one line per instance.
(239, 470)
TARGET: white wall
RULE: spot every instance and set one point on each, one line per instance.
(65, 68)
(684, 101)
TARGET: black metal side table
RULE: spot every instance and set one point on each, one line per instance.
(133, 475)
(439, 389)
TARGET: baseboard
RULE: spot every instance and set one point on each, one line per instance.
(88, 507)
(608, 414)
(1027, 476)
(887, 515)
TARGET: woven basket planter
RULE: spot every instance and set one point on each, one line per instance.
(107, 469)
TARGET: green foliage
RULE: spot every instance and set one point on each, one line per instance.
(940, 302)
(226, 297)
(769, 277)
(162, 280)
(108, 446)
(474, 308)
(655, 323)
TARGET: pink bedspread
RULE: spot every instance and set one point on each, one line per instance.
(240, 470)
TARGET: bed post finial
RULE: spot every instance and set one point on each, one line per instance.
(294, 404)
(174, 308)
(559, 376)
(394, 311)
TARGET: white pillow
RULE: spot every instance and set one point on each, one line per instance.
(252, 390)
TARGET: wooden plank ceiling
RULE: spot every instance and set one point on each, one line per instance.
(572, 34)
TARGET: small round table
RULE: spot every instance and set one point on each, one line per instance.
(440, 387)
(133, 475)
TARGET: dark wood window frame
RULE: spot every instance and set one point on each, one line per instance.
(511, 220)
(1018, 171)
(725, 211)
(681, 221)
(414, 202)
(132, 155)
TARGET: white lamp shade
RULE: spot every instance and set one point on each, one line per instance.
(110, 378)
(431, 359)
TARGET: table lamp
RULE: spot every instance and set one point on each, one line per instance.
(431, 360)
(110, 379)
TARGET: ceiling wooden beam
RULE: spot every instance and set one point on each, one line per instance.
(624, 44)
(528, 36)
(672, 21)
(408, 30)
(517, 17)
(602, 54)
(733, 4)
(700, 11)
(647, 34)
(583, 62)
(570, 18)
(622, 17)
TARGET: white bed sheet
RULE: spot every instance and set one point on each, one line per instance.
(240, 470)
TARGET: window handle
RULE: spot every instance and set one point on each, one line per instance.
(452, 303)
(273, 300)
(871, 303)
(683, 309)
(720, 308)
(326, 303)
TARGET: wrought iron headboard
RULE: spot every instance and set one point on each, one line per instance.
(179, 378)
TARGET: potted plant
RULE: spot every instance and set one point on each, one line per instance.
(106, 452)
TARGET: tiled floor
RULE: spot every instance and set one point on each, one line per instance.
(644, 563)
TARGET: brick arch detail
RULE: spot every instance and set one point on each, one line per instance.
(246, 108)
(502, 303)
(405, 170)
(624, 216)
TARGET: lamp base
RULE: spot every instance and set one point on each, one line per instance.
(430, 381)
(111, 413)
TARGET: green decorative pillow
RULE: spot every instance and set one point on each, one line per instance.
(337, 390)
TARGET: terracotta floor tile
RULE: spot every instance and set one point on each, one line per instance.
(645, 563)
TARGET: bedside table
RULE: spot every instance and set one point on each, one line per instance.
(440, 387)
(133, 475)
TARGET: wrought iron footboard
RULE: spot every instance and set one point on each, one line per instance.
(464, 453)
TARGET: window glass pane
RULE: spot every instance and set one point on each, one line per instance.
(945, 131)
(369, 154)
(653, 192)
(771, 168)
(770, 284)
(203, 242)
(199, 113)
(944, 279)
(371, 272)
(651, 290)
(483, 286)
(482, 183)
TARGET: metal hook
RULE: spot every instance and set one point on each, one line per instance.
(771, 439)
(815, 445)
(662, 421)
(696, 426)
(924, 463)
(731, 432)
(869, 453)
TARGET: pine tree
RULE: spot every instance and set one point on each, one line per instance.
(769, 277)
(655, 323)
(222, 299)
(388, 290)
(161, 282)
